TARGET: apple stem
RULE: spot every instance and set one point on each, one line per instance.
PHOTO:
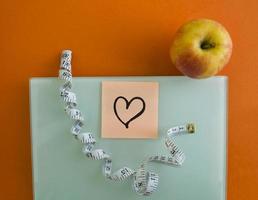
(207, 45)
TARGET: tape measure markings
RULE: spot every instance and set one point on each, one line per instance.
(144, 182)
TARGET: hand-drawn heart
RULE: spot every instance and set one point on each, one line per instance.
(128, 103)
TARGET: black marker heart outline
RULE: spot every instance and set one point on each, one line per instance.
(128, 103)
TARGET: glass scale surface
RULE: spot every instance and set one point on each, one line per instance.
(61, 171)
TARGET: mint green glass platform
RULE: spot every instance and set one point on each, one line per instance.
(62, 172)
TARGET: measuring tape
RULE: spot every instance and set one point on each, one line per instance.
(144, 182)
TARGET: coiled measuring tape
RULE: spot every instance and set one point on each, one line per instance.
(144, 181)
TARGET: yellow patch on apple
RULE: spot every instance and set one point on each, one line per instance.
(201, 48)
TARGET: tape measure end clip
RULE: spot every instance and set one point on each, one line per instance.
(191, 128)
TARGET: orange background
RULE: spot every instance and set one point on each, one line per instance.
(120, 38)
